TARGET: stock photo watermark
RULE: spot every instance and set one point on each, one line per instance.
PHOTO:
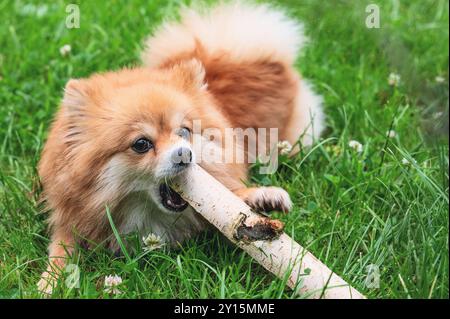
(73, 16)
(73, 276)
(373, 16)
(372, 280)
(233, 146)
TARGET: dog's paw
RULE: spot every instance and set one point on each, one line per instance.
(45, 285)
(267, 199)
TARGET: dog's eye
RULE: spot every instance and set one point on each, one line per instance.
(184, 132)
(142, 145)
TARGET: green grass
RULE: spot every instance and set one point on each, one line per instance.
(351, 210)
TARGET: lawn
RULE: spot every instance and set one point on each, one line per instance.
(385, 208)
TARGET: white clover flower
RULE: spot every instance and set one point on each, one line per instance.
(439, 79)
(438, 115)
(152, 242)
(394, 79)
(284, 147)
(65, 50)
(111, 283)
(391, 133)
(407, 162)
(357, 146)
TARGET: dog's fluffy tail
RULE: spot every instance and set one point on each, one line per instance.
(242, 32)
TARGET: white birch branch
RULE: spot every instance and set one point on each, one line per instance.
(261, 237)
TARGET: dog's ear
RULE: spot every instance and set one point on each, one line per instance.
(192, 73)
(75, 96)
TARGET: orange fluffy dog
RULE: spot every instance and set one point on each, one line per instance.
(114, 138)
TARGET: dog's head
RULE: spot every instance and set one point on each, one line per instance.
(131, 131)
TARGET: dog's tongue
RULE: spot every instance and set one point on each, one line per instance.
(170, 199)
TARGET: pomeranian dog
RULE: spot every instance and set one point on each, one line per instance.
(115, 135)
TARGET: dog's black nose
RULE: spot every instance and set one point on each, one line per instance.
(183, 156)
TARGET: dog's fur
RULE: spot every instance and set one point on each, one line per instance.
(229, 67)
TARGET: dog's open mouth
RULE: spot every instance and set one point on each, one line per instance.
(171, 200)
